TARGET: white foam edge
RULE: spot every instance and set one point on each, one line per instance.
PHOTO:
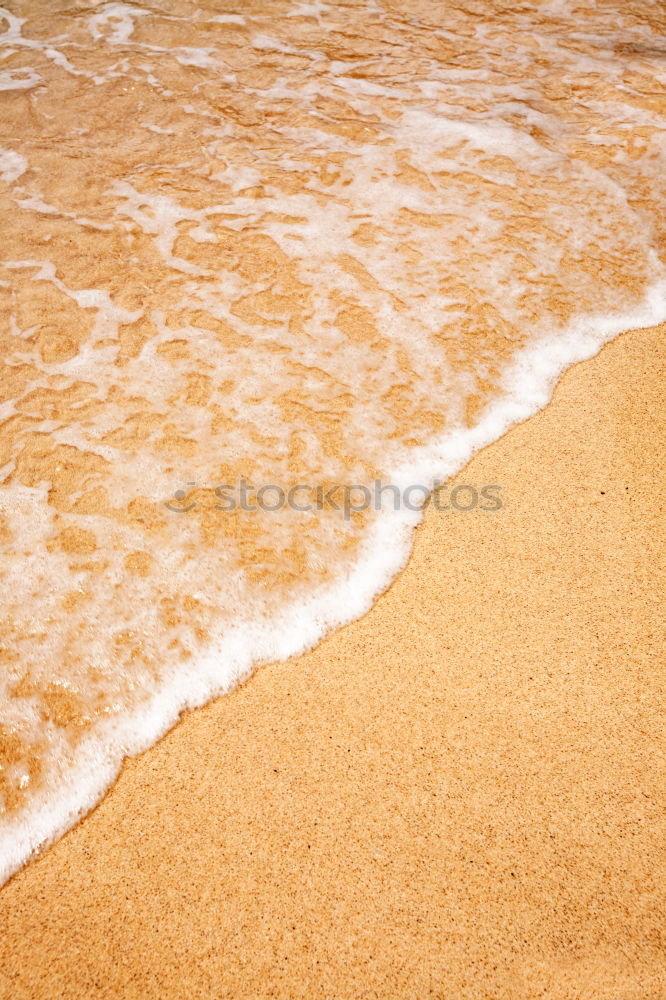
(528, 385)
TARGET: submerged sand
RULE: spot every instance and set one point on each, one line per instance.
(460, 795)
(301, 246)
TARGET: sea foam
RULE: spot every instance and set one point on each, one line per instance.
(317, 247)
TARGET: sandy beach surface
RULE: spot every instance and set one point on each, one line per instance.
(458, 796)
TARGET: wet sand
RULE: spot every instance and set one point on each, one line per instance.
(458, 796)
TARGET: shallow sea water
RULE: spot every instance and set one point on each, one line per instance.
(292, 245)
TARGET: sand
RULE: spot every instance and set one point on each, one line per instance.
(458, 796)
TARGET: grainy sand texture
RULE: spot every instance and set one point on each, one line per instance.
(458, 796)
(311, 247)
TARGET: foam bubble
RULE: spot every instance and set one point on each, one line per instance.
(298, 251)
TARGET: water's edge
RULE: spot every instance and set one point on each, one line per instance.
(528, 384)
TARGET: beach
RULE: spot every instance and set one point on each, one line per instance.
(459, 795)
(332, 437)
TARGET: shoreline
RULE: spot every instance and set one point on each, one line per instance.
(231, 658)
(455, 789)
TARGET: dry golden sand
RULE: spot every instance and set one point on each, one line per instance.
(459, 796)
